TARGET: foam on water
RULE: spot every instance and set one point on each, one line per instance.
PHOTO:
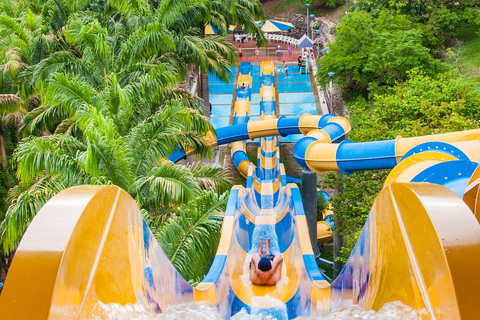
(390, 311)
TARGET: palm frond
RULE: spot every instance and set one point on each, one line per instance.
(147, 42)
(13, 63)
(129, 7)
(26, 202)
(70, 92)
(159, 135)
(165, 185)
(9, 25)
(9, 103)
(42, 118)
(190, 238)
(91, 39)
(50, 155)
(212, 177)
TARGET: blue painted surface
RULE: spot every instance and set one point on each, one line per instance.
(294, 87)
(296, 97)
(220, 121)
(221, 110)
(293, 76)
(453, 175)
(255, 109)
(373, 155)
(348, 286)
(438, 147)
(256, 87)
(292, 138)
(220, 88)
(232, 133)
(221, 98)
(298, 108)
(255, 98)
(288, 125)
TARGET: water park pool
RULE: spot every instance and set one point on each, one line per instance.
(295, 96)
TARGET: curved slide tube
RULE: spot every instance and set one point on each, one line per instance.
(319, 156)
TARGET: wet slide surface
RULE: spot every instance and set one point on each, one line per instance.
(420, 245)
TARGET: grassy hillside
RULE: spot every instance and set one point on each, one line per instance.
(470, 63)
(287, 8)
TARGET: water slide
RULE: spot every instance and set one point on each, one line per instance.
(89, 246)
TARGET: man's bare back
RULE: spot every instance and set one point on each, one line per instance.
(265, 269)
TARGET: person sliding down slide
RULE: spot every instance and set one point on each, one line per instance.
(265, 268)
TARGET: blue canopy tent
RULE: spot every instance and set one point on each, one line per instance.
(305, 42)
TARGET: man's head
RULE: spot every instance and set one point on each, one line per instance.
(264, 264)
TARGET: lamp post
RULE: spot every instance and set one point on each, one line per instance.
(330, 74)
(318, 41)
(308, 6)
(347, 8)
(312, 16)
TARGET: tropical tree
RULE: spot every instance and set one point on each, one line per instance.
(105, 152)
(422, 105)
(220, 14)
(372, 52)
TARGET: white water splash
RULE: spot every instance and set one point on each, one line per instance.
(390, 311)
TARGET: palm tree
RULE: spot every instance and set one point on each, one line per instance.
(220, 14)
(110, 111)
(126, 148)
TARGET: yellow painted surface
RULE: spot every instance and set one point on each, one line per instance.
(244, 78)
(420, 258)
(267, 67)
(205, 292)
(303, 235)
(320, 135)
(471, 148)
(403, 145)
(324, 232)
(242, 108)
(227, 232)
(472, 194)
(322, 156)
(102, 226)
(243, 167)
(259, 129)
(343, 122)
(308, 122)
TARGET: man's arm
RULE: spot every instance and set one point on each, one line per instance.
(277, 268)
(253, 268)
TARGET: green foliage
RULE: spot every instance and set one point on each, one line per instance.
(440, 17)
(190, 238)
(421, 105)
(374, 52)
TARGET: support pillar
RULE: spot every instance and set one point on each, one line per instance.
(309, 199)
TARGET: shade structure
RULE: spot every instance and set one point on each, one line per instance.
(211, 29)
(274, 25)
(305, 42)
